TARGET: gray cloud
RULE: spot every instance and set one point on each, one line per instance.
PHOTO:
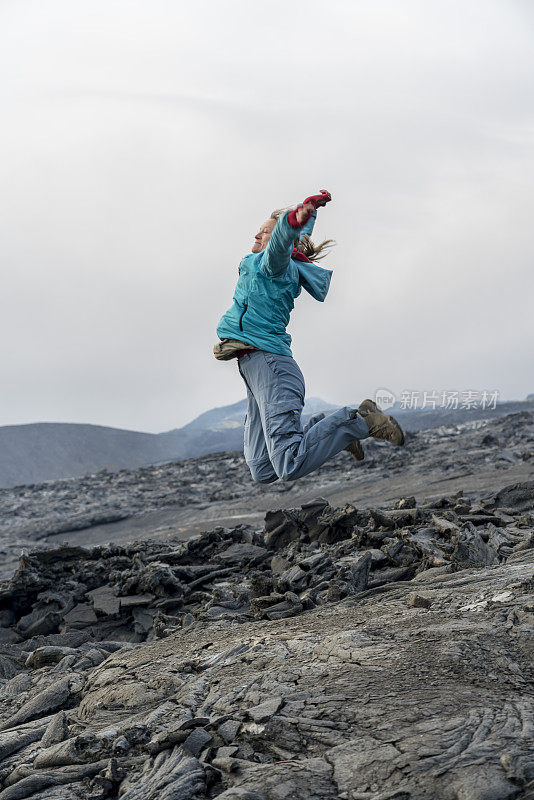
(142, 145)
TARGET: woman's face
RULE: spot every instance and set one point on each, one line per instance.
(263, 236)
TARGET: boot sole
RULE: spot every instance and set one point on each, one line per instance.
(356, 450)
(398, 436)
(395, 436)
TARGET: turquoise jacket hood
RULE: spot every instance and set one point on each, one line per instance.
(268, 284)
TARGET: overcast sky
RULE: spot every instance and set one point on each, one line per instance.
(143, 143)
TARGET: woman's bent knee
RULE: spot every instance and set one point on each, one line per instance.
(262, 473)
(285, 467)
(265, 479)
(287, 477)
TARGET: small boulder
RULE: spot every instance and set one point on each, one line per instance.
(418, 601)
(265, 710)
(197, 740)
(229, 730)
(243, 553)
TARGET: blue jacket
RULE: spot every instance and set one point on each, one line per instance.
(266, 289)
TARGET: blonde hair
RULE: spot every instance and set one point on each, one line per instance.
(304, 244)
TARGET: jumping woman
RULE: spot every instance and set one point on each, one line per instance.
(253, 330)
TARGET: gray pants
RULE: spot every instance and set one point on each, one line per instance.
(276, 445)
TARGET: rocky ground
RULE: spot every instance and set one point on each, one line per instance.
(184, 497)
(362, 652)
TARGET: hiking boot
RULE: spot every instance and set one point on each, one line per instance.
(381, 426)
(356, 450)
(368, 405)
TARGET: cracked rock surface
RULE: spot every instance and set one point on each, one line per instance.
(361, 653)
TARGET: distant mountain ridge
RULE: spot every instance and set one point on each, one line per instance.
(44, 451)
(216, 418)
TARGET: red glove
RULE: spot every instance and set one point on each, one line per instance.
(319, 200)
(316, 200)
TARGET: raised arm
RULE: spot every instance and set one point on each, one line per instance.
(277, 254)
(307, 228)
(289, 226)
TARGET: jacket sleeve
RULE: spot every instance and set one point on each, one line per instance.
(307, 228)
(277, 254)
(315, 279)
